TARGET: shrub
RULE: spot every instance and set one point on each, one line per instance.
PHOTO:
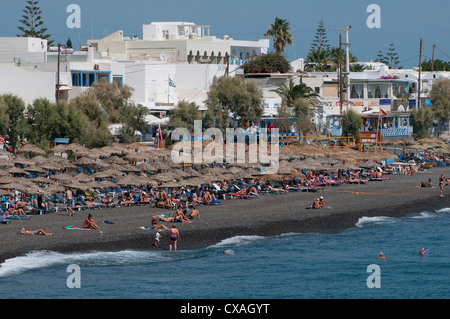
(269, 63)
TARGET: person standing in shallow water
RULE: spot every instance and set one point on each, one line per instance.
(174, 236)
(441, 184)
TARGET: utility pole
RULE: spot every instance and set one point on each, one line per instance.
(227, 72)
(347, 59)
(58, 68)
(420, 75)
(432, 59)
(340, 74)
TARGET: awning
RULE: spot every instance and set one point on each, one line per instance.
(153, 120)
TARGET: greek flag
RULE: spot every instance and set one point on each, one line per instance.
(171, 83)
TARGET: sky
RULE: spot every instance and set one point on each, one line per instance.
(402, 22)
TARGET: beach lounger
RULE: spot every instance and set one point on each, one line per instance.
(4, 220)
(14, 217)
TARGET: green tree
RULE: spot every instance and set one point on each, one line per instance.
(351, 124)
(291, 92)
(320, 41)
(318, 61)
(42, 118)
(391, 58)
(133, 120)
(280, 31)
(32, 23)
(283, 114)
(440, 95)
(184, 115)
(96, 132)
(421, 121)
(13, 108)
(380, 57)
(333, 55)
(318, 58)
(69, 44)
(111, 98)
(230, 98)
(439, 65)
(301, 110)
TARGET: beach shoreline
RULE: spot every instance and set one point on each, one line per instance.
(268, 215)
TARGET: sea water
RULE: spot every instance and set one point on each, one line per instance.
(289, 266)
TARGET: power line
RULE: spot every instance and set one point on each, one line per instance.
(442, 52)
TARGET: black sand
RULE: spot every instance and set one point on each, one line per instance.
(268, 215)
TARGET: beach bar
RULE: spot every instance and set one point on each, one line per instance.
(376, 127)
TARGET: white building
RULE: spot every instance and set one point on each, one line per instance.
(179, 42)
(20, 73)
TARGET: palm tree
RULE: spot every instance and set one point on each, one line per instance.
(280, 32)
(318, 60)
(291, 92)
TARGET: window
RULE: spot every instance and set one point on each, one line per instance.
(118, 79)
(87, 78)
(102, 78)
(357, 91)
(165, 34)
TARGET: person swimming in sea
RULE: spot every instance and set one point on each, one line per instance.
(381, 255)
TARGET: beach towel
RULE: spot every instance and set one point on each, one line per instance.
(328, 207)
(107, 222)
(76, 227)
(149, 228)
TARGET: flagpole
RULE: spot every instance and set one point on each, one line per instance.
(159, 134)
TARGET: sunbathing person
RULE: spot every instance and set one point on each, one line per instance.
(194, 213)
(208, 198)
(321, 202)
(316, 203)
(155, 224)
(273, 189)
(34, 232)
(427, 184)
(181, 217)
(90, 223)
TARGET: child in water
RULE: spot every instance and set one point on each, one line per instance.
(157, 237)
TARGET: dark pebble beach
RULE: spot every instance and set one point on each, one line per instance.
(267, 215)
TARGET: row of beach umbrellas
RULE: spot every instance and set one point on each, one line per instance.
(120, 165)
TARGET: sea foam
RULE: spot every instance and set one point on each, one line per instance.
(376, 220)
(45, 259)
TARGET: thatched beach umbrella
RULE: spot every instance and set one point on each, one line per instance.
(23, 161)
(147, 167)
(4, 163)
(30, 149)
(60, 148)
(84, 161)
(115, 160)
(129, 180)
(137, 147)
(9, 179)
(109, 173)
(16, 170)
(165, 177)
(62, 178)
